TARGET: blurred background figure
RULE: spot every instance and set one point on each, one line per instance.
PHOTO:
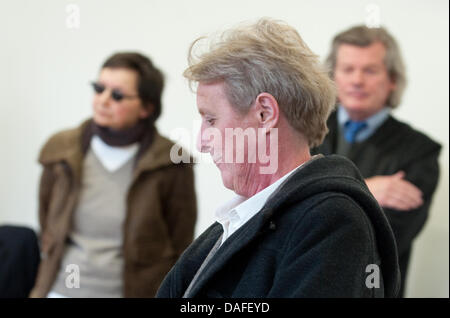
(115, 212)
(399, 163)
(19, 259)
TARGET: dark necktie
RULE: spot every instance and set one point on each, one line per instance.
(352, 128)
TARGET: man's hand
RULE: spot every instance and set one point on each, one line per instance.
(394, 192)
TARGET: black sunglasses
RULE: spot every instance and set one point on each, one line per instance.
(116, 94)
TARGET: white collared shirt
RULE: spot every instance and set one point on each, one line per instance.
(237, 211)
(112, 158)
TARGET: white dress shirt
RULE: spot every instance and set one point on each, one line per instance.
(237, 211)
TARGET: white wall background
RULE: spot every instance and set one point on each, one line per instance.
(45, 67)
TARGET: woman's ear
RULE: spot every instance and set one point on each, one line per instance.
(267, 110)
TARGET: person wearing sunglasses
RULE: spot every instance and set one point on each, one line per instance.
(115, 211)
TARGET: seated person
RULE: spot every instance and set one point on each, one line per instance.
(306, 227)
(114, 209)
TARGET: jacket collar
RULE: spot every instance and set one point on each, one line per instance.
(66, 146)
(241, 238)
(156, 156)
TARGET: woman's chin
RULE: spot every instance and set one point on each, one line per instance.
(101, 121)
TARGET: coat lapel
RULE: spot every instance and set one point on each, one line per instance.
(331, 140)
(66, 146)
(235, 243)
(157, 156)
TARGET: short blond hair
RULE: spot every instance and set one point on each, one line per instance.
(268, 56)
(363, 36)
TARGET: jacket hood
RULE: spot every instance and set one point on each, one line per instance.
(337, 174)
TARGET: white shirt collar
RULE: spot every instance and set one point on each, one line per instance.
(237, 211)
(112, 158)
(373, 122)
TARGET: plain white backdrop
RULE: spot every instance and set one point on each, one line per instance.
(51, 49)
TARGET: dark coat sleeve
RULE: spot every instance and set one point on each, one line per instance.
(421, 168)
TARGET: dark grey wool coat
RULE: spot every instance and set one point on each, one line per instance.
(315, 237)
